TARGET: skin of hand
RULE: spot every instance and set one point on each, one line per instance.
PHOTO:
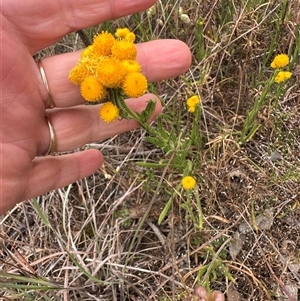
(201, 294)
(26, 28)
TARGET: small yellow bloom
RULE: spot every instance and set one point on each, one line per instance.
(130, 37)
(135, 84)
(280, 61)
(111, 72)
(125, 34)
(188, 183)
(91, 89)
(193, 101)
(103, 43)
(88, 52)
(121, 33)
(78, 74)
(90, 64)
(131, 66)
(124, 50)
(109, 112)
(282, 76)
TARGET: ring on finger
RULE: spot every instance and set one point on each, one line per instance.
(52, 144)
(44, 78)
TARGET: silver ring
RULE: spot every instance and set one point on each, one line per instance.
(52, 145)
(44, 78)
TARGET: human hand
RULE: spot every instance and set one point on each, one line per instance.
(201, 294)
(28, 27)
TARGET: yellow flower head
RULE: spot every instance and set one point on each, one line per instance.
(135, 84)
(88, 52)
(103, 43)
(131, 66)
(121, 33)
(91, 89)
(111, 72)
(130, 37)
(193, 101)
(188, 183)
(282, 76)
(78, 74)
(109, 112)
(89, 64)
(280, 61)
(126, 34)
(124, 50)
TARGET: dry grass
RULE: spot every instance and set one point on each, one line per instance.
(98, 239)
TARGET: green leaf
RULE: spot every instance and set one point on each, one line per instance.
(147, 113)
(165, 211)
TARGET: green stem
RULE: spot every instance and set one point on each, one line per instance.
(250, 126)
(126, 113)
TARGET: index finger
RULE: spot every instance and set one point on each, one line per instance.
(42, 23)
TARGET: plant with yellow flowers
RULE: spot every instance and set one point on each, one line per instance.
(108, 71)
(279, 76)
(188, 184)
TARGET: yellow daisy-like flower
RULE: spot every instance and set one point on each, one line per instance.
(91, 89)
(188, 183)
(131, 66)
(111, 72)
(282, 76)
(109, 112)
(280, 61)
(103, 43)
(124, 50)
(135, 84)
(121, 33)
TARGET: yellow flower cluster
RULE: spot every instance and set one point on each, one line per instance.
(281, 61)
(192, 103)
(109, 63)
